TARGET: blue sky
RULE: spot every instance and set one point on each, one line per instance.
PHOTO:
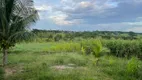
(89, 15)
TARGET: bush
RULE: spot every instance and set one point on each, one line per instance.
(124, 48)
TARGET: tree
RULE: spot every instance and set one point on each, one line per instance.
(132, 34)
(15, 18)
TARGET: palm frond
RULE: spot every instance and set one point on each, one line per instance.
(15, 18)
(21, 36)
(9, 8)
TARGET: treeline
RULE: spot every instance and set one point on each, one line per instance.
(56, 35)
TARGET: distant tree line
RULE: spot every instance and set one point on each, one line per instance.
(57, 35)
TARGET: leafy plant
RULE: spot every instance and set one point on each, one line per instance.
(132, 66)
(94, 47)
(15, 18)
(98, 48)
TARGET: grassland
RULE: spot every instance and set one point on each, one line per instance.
(33, 61)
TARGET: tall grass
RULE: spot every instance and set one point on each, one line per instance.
(64, 47)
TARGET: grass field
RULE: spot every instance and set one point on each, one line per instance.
(32, 62)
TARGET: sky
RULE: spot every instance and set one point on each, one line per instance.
(89, 15)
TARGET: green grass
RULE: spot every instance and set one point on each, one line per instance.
(32, 47)
(31, 62)
(51, 47)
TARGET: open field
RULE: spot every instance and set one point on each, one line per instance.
(33, 61)
(70, 40)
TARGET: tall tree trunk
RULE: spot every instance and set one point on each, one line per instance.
(4, 57)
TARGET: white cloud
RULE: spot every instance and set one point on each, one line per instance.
(44, 11)
(62, 20)
(135, 29)
(85, 4)
(121, 15)
(85, 8)
(43, 8)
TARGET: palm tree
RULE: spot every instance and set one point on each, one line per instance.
(15, 18)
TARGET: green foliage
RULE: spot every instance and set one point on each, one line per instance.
(111, 61)
(124, 48)
(87, 47)
(58, 37)
(31, 62)
(133, 66)
(119, 48)
(83, 50)
(120, 44)
(97, 48)
(94, 47)
(14, 23)
(72, 35)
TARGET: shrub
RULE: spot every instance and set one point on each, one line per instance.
(132, 66)
(124, 48)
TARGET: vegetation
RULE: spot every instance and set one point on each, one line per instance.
(94, 47)
(55, 35)
(63, 55)
(124, 48)
(120, 44)
(133, 66)
(34, 63)
(15, 17)
(75, 59)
